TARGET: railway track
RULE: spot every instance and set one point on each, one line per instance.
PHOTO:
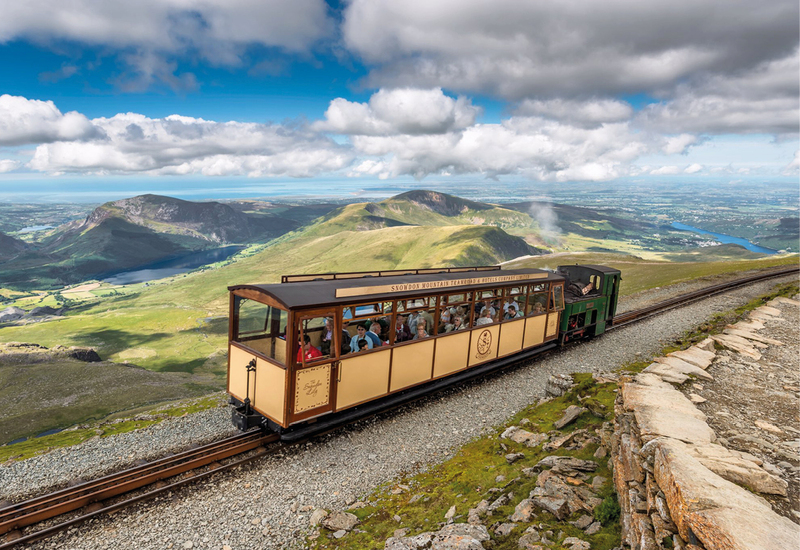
(99, 496)
(111, 493)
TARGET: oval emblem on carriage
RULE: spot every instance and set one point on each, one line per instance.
(484, 342)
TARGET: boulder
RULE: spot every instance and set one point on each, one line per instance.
(737, 344)
(339, 520)
(523, 512)
(718, 513)
(695, 355)
(570, 415)
(684, 367)
(736, 467)
(752, 336)
(317, 516)
(566, 464)
(524, 437)
(661, 410)
(558, 385)
(666, 373)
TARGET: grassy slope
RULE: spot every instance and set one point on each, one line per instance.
(68, 392)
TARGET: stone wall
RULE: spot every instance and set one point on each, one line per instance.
(677, 487)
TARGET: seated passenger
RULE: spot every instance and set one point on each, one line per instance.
(327, 339)
(512, 312)
(374, 333)
(361, 335)
(307, 350)
(485, 318)
(401, 331)
(538, 308)
(444, 316)
(457, 324)
(421, 333)
(363, 344)
(487, 305)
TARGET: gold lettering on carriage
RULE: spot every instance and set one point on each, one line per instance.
(433, 285)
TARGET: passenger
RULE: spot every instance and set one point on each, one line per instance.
(485, 318)
(361, 335)
(428, 319)
(363, 344)
(413, 319)
(512, 312)
(444, 316)
(374, 333)
(307, 350)
(421, 333)
(401, 331)
(457, 324)
(487, 305)
(538, 309)
(327, 339)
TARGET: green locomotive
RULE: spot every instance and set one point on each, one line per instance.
(591, 294)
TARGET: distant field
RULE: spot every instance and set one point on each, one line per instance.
(69, 392)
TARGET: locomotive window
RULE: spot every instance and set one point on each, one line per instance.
(558, 297)
(260, 327)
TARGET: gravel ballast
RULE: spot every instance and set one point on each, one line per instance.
(267, 504)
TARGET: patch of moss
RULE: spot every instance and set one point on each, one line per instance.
(470, 476)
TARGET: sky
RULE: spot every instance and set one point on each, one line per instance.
(102, 97)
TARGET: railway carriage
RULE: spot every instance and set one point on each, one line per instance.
(294, 364)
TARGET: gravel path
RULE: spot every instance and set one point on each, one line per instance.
(267, 504)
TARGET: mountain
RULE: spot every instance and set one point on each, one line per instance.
(128, 233)
(10, 247)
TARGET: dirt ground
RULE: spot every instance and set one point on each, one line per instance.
(752, 405)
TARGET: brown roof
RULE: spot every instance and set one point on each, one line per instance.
(321, 293)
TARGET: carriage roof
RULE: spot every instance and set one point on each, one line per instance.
(368, 288)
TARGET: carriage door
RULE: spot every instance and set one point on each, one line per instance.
(315, 354)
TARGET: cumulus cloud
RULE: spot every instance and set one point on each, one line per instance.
(400, 111)
(793, 167)
(665, 171)
(693, 168)
(520, 50)
(589, 113)
(765, 99)
(134, 143)
(25, 120)
(7, 165)
(531, 147)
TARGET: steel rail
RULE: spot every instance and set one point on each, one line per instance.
(67, 500)
(629, 317)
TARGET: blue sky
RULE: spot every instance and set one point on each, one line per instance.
(273, 95)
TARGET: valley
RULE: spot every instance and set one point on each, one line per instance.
(174, 329)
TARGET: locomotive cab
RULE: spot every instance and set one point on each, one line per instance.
(591, 300)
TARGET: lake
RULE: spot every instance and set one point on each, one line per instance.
(172, 266)
(727, 239)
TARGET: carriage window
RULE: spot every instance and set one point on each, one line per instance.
(314, 337)
(558, 297)
(452, 307)
(260, 327)
(537, 303)
(538, 288)
(514, 303)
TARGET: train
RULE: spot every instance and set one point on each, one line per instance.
(317, 351)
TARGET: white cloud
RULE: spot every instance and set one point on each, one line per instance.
(7, 165)
(793, 167)
(185, 145)
(401, 111)
(665, 171)
(765, 99)
(531, 147)
(521, 50)
(693, 168)
(674, 145)
(25, 120)
(589, 113)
